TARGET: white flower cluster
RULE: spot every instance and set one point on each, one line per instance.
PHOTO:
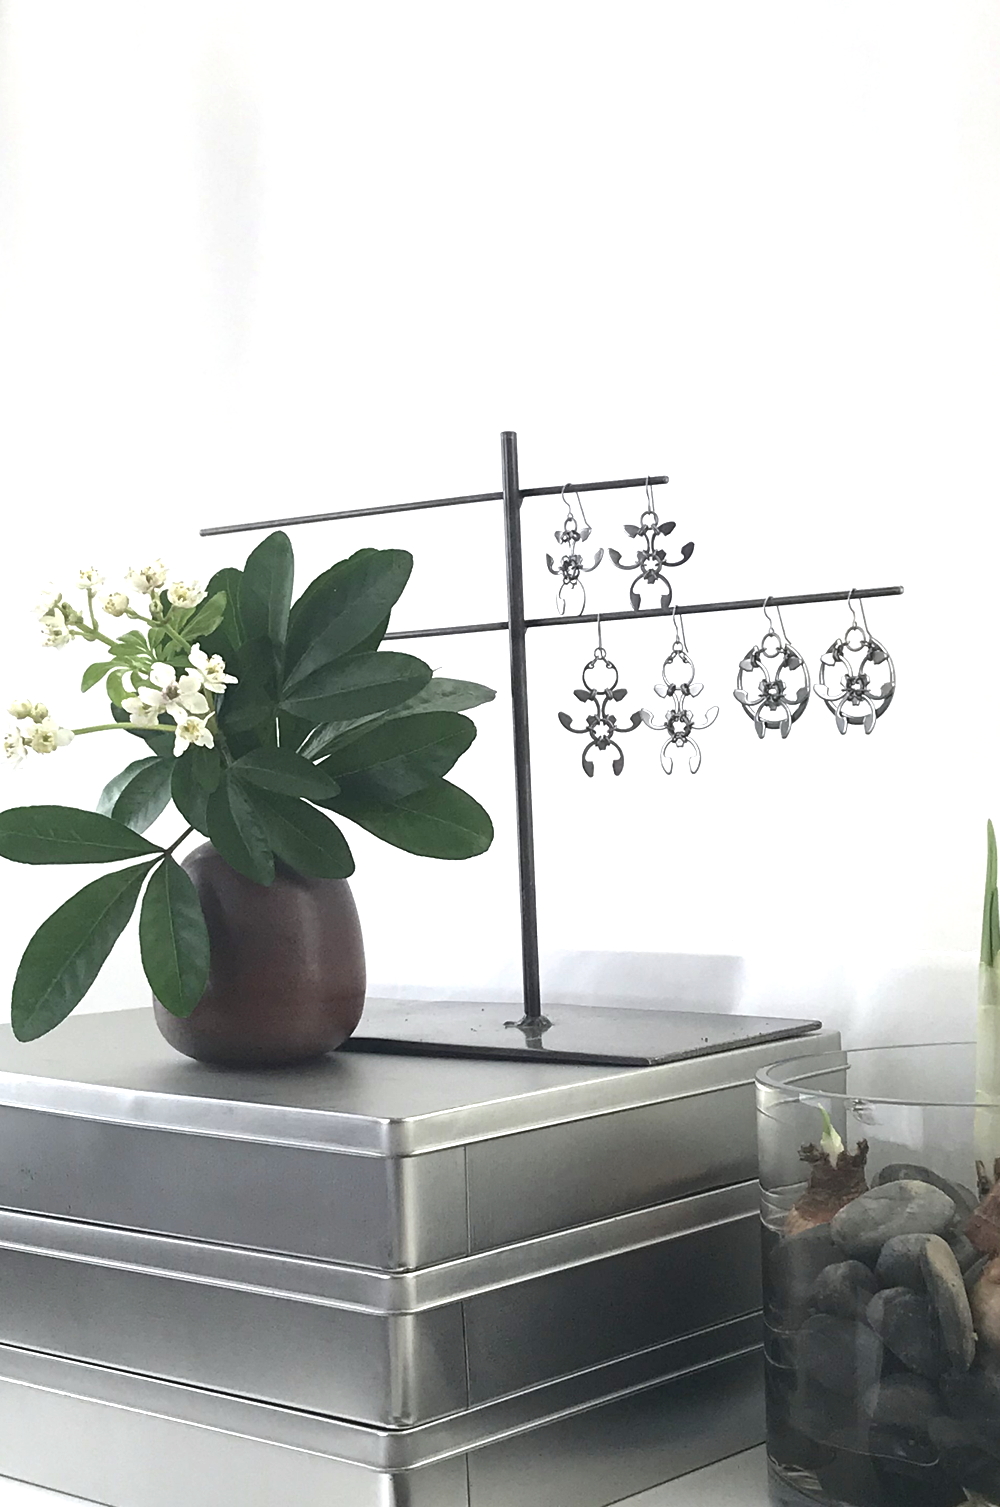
(33, 730)
(181, 694)
(59, 617)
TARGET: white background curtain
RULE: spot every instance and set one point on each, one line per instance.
(271, 258)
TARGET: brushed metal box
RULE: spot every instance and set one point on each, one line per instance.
(387, 1162)
(587, 1441)
(393, 1349)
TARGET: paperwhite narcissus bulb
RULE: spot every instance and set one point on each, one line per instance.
(115, 604)
(148, 578)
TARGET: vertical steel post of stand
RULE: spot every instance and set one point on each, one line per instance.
(533, 1020)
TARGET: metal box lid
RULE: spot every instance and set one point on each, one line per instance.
(115, 1067)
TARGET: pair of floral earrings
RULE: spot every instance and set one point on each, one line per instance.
(773, 687)
(648, 566)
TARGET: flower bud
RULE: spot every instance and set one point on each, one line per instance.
(20, 709)
(115, 605)
(39, 712)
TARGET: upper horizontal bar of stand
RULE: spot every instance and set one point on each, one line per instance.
(747, 605)
(434, 502)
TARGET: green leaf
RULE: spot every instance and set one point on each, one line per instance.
(139, 794)
(116, 690)
(189, 795)
(439, 822)
(357, 686)
(68, 951)
(94, 674)
(286, 772)
(302, 837)
(229, 635)
(162, 743)
(237, 833)
(65, 834)
(207, 618)
(252, 703)
(173, 939)
(266, 589)
(401, 756)
(345, 606)
(990, 950)
(439, 694)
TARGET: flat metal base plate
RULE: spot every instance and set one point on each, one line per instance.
(571, 1033)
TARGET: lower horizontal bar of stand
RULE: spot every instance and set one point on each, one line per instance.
(747, 605)
(434, 502)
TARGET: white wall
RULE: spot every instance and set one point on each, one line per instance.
(273, 258)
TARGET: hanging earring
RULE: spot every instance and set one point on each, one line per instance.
(600, 686)
(773, 683)
(845, 683)
(678, 687)
(650, 562)
(571, 566)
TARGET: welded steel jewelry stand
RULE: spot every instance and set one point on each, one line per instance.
(579, 1033)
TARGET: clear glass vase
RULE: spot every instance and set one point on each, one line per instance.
(881, 1233)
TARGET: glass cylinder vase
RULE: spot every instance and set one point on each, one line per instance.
(880, 1212)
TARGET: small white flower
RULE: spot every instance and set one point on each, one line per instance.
(20, 708)
(140, 713)
(212, 670)
(39, 712)
(55, 632)
(148, 578)
(186, 594)
(174, 691)
(13, 745)
(47, 736)
(90, 578)
(49, 599)
(190, 730)
(116, 604)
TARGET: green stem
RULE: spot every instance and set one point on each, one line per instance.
(91, 633)
(90, 609)
(107, 727)
(161, 623)
(179, 840)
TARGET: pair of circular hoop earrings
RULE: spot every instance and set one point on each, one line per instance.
(773, 687)
(856, 677)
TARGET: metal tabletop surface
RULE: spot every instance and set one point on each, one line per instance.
(739, 1482)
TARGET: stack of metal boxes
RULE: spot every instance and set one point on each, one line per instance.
(377, 1281)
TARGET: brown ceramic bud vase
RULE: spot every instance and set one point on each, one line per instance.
(287, 979)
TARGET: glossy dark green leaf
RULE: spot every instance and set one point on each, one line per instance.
(161, 743)
(439, 694)
(302, 837)
(400, 756)
(441, 821)
(139, 794)
(68, 951)
(343, 609)
(189, 795)
(229, 635)
(356, 686)
(206, 618)
(252, 702)
(173, 939)
(266, 589)
(237, 833)
(65, 834)
(286, 772)
(94, 674)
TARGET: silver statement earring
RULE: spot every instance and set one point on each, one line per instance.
(651, 561)
(773, 683)
(856, 677)
(601, 689)
(678, 688)
(571, 566)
